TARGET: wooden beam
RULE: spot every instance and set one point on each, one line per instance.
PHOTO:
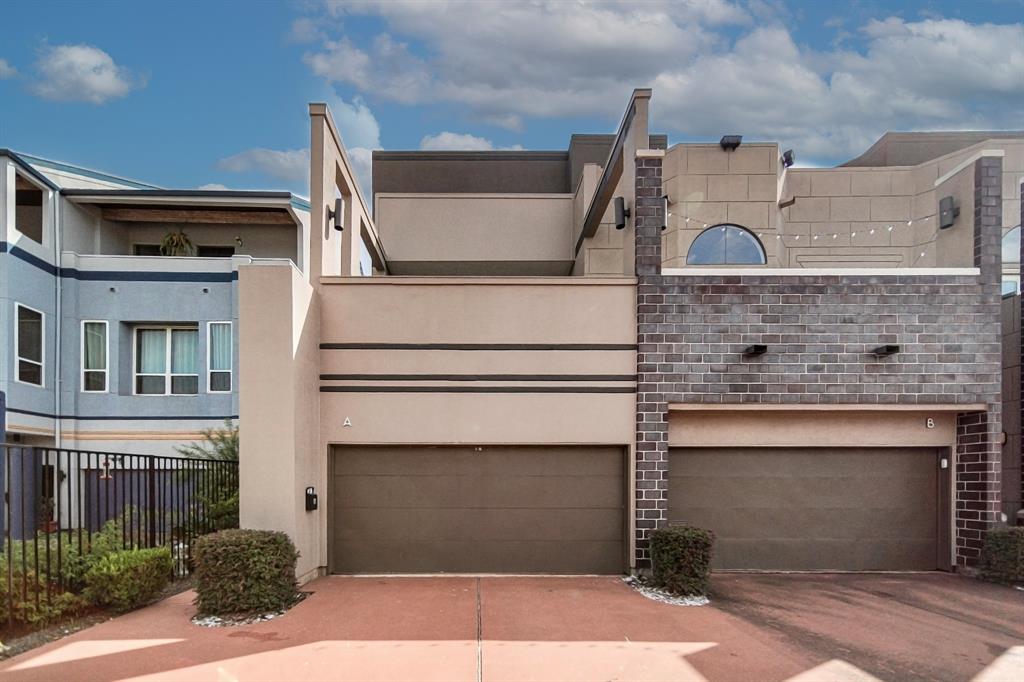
(194, 215)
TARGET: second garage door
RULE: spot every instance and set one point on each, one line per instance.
(489, 509)
(813, 508)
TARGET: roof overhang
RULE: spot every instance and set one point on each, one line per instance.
(26, 168)
(192, 206)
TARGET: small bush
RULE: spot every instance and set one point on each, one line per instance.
(681, 558)
(242, 572)
(1002, 556)
(129, 578)
(28, 588)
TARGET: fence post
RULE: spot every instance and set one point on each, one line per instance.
(152, 505)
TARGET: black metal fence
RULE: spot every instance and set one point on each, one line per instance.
(62, 505)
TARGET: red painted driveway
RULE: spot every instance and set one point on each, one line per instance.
(764, 627)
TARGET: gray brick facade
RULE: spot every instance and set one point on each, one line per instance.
(820, 330)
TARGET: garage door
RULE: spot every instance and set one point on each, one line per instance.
(812, 509)
(465, 509)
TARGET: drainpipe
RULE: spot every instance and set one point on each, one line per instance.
(59, 326)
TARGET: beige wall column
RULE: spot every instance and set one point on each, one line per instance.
(279, 334)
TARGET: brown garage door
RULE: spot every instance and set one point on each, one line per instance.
(465, 509)
(812, 509)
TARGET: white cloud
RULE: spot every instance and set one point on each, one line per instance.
(448, 141)
(356, 123)
(6, 70)
(304, 30)
(213, 186)
(289, 166)
(82, 73)
(503, 63)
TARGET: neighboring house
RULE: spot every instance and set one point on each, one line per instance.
(806, 361)
(108, 345)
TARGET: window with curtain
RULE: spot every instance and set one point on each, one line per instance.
(94, 356)
(29, 344)
(219, 354)
(166, 361)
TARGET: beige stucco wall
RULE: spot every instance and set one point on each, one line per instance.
(477, 311)
(711, 186)
(841, 217)
(463, 229)
(278, 358)
(811, 428)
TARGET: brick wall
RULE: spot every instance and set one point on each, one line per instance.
(819, 330)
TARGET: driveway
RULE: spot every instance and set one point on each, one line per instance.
(759, 626)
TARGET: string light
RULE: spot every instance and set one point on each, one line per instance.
(835, 235)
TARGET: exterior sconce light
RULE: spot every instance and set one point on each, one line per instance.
(336, 214)
(755, 350)
(888, 349)
(312, 499)
(788, 158)
(730, 142)
(621, 213)
(949, 209)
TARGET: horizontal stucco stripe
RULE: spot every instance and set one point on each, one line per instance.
(478, 346)
(105, 417)
(478, 377)
(115, 275)
(477, 389)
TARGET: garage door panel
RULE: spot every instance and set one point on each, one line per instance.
(880, 489)
(775, 508)
(503, 509)
(485, 557)
(478, 525)
(868, 555)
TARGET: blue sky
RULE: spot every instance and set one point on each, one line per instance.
(191, 94)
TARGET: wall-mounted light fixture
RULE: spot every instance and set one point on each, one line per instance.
(888, 349)
(788, 158)
(335, 214)
(621, 213)
(949, 209)
(755, 350)
(730, 142)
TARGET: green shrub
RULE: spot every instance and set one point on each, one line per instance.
(681, 558)
(244, 572)
(28, 588)
(1002, 555)
(128, 578)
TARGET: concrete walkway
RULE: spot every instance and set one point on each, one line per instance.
(763, 627)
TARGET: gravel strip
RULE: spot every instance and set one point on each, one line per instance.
(232, 621)
(662, 596)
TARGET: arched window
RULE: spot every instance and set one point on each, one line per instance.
(726, 245)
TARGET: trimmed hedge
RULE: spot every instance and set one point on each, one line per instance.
(129, 578)
(242, 572)
(1002, 555)
(681, 559)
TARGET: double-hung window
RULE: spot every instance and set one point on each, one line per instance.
(219, 353)
(95, 354)
(166, 361)
(28, 344)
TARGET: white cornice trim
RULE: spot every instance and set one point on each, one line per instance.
(969, 161)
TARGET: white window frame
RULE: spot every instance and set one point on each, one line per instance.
(209, 357)
(42, 350)
(167, 374)
(106, 356)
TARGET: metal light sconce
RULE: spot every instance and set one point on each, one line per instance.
(336, 214)
(730, 142)
(949, 210)
(788, 158)
(621, 213)
(755, 350)
(886, 350)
